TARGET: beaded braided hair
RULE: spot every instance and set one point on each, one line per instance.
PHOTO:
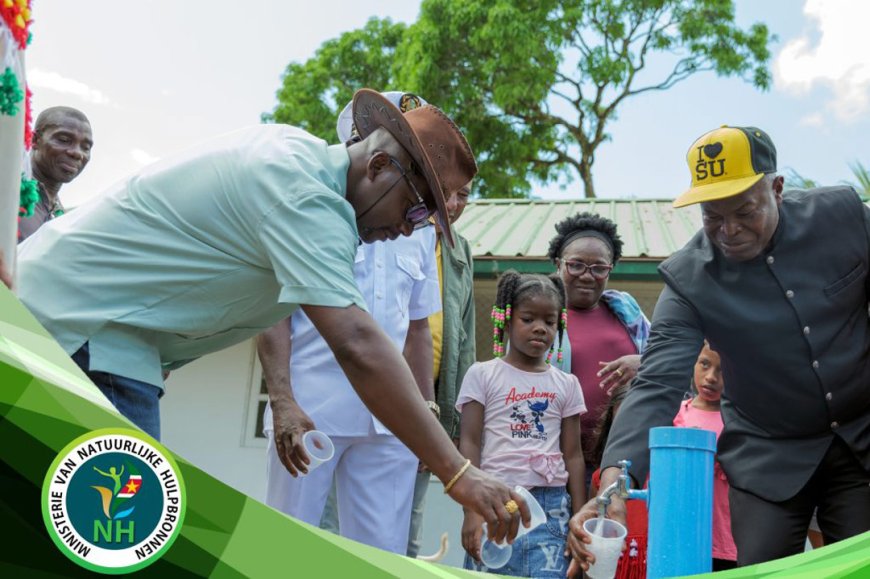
(513, 287)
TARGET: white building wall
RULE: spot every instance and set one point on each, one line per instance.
(205, 414)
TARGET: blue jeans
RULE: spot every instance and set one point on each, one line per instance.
(540, 553)
(137, 401)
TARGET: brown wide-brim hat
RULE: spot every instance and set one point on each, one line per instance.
(432, 140)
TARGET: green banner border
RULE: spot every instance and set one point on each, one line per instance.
(46, 402)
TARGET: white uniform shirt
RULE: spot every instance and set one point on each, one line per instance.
(399, 282)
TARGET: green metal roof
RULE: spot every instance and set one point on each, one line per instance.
(515, 233)
(512, 228)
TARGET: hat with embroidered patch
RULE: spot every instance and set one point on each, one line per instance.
(726, 162)
(433, 141)
(406, 101)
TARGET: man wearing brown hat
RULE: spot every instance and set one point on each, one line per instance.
(372, 471)
(218, 244)
(778, 284)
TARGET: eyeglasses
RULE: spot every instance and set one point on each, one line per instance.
(578, 268)
(418, 214)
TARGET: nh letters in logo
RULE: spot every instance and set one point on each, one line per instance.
(709, 167)
(113, 501)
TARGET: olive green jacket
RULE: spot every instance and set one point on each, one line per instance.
(458, 343)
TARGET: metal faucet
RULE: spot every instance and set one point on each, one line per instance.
(621, 487)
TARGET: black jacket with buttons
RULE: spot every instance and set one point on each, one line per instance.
(792, 329)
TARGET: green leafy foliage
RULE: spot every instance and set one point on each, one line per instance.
(533, 83)
(313, 93)
(860, 172)
(794, 180)
(862, 178)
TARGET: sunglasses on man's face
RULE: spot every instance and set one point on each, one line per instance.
(418, 214)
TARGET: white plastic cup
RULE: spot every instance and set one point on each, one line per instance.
(495, 555)
(607, 539)
(539, 517)
(319, 448)
(492, 554)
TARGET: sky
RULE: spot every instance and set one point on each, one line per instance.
(158, 76)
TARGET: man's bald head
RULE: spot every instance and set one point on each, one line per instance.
(55, 115)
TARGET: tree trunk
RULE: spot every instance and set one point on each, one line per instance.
(586, 177)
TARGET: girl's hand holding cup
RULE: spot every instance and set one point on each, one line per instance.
(472, 529)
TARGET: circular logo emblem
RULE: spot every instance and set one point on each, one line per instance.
(113, 500)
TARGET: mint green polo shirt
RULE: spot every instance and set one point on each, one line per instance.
(197, 252)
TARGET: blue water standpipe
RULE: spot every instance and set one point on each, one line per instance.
(679, 499)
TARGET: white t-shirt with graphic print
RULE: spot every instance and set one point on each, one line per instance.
(522, 420)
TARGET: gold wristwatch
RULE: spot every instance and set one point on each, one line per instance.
(433, 406)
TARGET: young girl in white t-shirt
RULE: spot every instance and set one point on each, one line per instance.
(521, 422)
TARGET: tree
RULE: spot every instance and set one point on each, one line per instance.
(859, 171)
(313, 93)
(794, 180)
(534, 83)
(862, 178)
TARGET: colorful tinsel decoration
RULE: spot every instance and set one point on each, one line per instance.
(28, 118)
(17, 15)
(29, 196)
(10, 93)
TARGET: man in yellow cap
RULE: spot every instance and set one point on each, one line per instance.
(778, 284)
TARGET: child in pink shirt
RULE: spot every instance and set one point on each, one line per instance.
(702, 411)
(521, 422)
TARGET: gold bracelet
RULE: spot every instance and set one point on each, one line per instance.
(455, 478)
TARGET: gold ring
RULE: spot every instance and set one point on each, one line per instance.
(511, 506)
(618, 372)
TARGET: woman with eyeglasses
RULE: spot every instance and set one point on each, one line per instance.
(607, 330)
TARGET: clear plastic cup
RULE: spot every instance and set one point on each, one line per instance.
(492, 554)
(495, 555)
(539, 517)
(319, 448)
(607, 538)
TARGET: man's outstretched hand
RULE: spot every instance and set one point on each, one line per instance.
(485, 495)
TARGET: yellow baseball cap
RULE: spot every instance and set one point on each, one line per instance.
(726, 162)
